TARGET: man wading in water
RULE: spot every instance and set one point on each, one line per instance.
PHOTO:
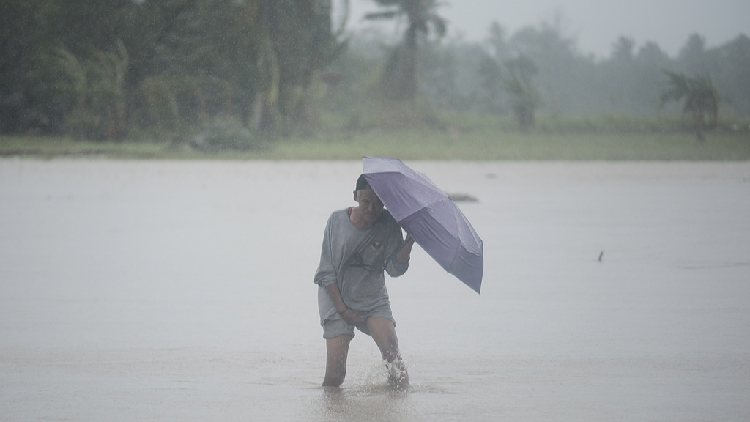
(359, 244)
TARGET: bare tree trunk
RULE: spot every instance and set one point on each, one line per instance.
(698, 123)
(269, 73)
(263, 117)
(303, 112)
(409, 69)
(399, 81)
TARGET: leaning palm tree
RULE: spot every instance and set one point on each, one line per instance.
(400, 76)
(700, 96)
(518, 83)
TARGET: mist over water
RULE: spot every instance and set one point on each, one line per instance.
(594, 25)
(183, 290)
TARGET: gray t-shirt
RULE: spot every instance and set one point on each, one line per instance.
(362, 287)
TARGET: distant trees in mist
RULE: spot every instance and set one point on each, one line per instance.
(628, 82)
(110, 70)
(700, 98)
(101, 69)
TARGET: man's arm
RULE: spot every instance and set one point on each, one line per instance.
(326, 272)
(351, 316)
(404, 253)
(399, 261)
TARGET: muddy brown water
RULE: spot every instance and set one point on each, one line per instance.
(183, 291)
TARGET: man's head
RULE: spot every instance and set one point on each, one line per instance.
(370, 206)
(362, 183)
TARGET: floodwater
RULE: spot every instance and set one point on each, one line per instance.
(139, 291)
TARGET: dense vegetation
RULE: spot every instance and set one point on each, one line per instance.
(217, 73)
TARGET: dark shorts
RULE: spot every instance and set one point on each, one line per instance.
(336, 326)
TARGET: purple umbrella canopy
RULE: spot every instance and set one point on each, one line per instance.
(429, 216)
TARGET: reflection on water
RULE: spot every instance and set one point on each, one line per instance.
(366, 397)
(372, 403)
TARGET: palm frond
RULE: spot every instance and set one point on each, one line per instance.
(440, 25)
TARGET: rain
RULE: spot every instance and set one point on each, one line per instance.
(167, 169)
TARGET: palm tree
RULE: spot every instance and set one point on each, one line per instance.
(518, 83)
(400, 76)
(700, 96)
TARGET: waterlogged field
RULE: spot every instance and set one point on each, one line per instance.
(182, 290)
(452, 143)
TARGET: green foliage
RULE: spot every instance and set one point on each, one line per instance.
(82, 124)
(518, 83)
(465, 137)
(87, 95)
(399, 79)
(222, 136)
(119, 69)
(700, 98)
(159, 96)
(118, 64)
(384, 115)
(304, 41)
(491, 82)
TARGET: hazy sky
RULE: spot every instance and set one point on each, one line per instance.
(596, 24)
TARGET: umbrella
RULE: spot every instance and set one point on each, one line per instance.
(429, 216)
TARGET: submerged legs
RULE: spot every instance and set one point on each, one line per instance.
(383, 332)
(337, 349)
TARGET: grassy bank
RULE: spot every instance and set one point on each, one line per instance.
(445, 144)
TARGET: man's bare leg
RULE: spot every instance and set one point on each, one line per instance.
(383, 332)
(337, 349)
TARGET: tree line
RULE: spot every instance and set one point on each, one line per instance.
(548, 68)
(106, 69)
(97, 68)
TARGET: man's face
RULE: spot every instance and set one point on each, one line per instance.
(369, 204)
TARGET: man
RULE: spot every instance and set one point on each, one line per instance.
(359, 244)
